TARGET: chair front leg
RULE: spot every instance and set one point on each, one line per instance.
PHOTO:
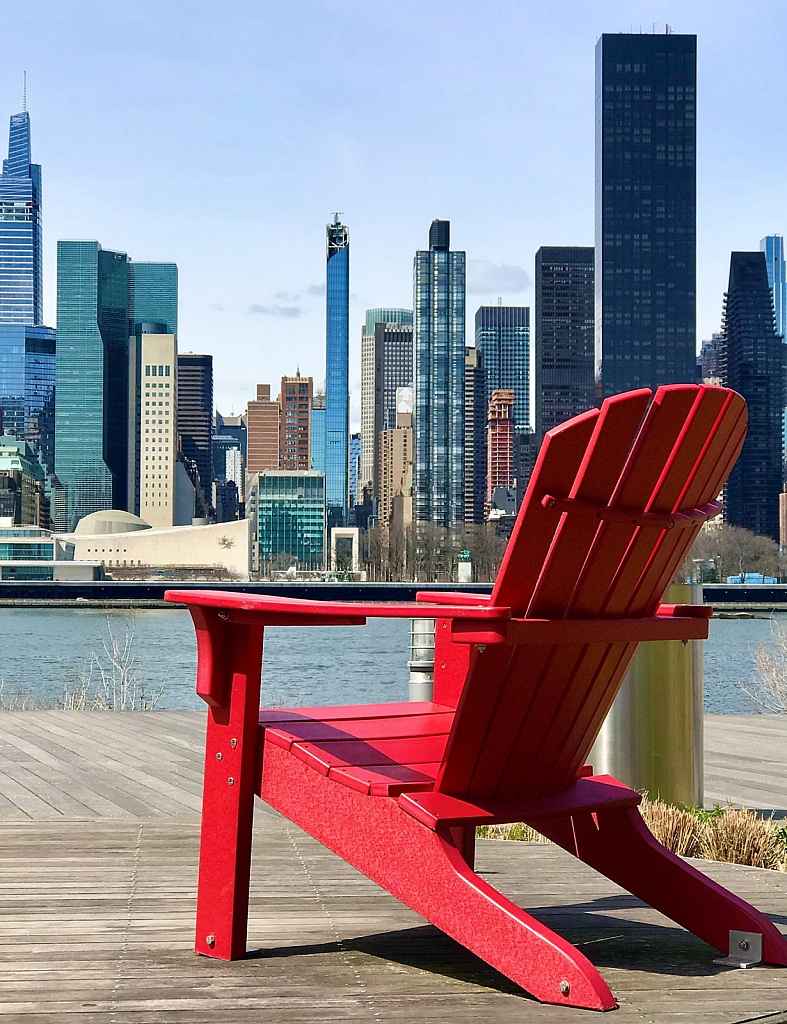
(228, 795)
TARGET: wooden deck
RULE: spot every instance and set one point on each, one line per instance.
(99, 823)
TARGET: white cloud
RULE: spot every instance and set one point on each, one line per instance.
(485, 278)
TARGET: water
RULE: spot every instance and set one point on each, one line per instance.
(45, 651)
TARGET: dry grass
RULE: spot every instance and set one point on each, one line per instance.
(737, 836)
(770, 689)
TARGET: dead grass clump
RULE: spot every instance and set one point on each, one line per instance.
(741, 837)
(731, 834)
(674, 827)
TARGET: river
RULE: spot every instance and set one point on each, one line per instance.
(47, 651)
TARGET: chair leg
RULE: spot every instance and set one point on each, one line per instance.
(429, 872)
(228, 803)
(618, 843)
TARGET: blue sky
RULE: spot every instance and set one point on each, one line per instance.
(223, 136)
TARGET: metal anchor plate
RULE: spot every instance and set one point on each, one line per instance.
(745, 950)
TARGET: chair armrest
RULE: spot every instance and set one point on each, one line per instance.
(294, 611)
(452, 597)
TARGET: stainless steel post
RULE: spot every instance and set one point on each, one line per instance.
(421, 662)
(652, 738)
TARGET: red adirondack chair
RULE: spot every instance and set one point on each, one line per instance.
(523, 681)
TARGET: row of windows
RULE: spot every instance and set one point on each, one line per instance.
(157, 371)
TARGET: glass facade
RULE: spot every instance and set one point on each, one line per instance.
(318, 434)
(439, 347)
(645, 276)
(27, 386)
(773, 247)
(355, 468)
(337, 373)
(92, 413)
(564, 364)
(20, 230)
(752, 363)
(289, 511)
(154, 295)
(502, 337)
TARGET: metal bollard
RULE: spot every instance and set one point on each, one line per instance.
(652, 738)
(421, 662)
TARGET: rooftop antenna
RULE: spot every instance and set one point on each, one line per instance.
(500, 300)
(24, 92)
(336, 217)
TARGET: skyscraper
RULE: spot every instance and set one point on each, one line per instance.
(752, 363)
(318, 433)
(502, 337)
(157, 444)
(92, 410)
(263, 431)
(500, 443)
(564, 363)
(475, 438)
(386, 365)
(337, 372)
(195, 414)
(21, 300)
(439, 346)
(27, 349)
(645, 275)
(154, 294)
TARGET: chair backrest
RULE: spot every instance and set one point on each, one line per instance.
(528, 715)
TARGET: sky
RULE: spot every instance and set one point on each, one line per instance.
(224, 136)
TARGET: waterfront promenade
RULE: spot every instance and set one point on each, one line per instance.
(99, 821)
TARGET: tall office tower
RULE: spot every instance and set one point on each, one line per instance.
(773, 247)
(21, 299)
(500, 443)
(439, 346)
(318, 433)
(92, 408)
(295, 402)
(752, 363)
(27, 349)
(564, 363)
(386, 364)
(153, 309)
(231, 426)
(645, 210)
(158, 430)
(195, 414)
(475, 438)
(396, 463)
(262, 431)
(337, 373)
(502, 337)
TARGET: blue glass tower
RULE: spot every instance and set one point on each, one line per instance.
(439, 346)
(153, 294)
(92, 411)
(502, 336)
(27, 386)
(337, 373)
(20, 230)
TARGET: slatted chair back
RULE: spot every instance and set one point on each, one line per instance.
(528, 715)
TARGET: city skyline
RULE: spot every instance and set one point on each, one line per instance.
(501, 213)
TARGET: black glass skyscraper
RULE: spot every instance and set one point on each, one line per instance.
(565, 372)
(752, 363)
(645, 210)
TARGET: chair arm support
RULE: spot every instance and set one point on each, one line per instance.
(584, 631)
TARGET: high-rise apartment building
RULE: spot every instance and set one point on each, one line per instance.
(439, 347)
(709, 359)
(318, 433)
(337, 372)
(195, 413)
(262, 431)
(564, 342)
(295, 402)
(475, 437)
(645, 275)
(386, 364)
(355, 469)
(158, 430)
(500, 443)
(21, 296)
(92, 409)
(752, 363)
